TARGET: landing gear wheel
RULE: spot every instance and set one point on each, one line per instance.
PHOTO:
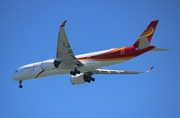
(78, 72)
(89, 81)
(88, 78)
(20, 86)
(75, 72)
(72, 73)
(93, 79)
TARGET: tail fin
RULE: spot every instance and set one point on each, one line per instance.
(145, 38)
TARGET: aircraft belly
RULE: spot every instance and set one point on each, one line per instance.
(102, 63)
(91, 65)
(48, 73)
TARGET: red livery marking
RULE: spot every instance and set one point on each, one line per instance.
(39, 74)
(148, 32)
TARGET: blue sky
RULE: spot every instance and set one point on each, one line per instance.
(28, 33)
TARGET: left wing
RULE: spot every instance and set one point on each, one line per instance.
(64, 52)
(105, 71)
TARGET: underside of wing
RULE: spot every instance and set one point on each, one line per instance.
(106, 71)
(64, 51)
(87, 76)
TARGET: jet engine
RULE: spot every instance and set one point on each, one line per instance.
(81, 78)
(50, 64)
(77, 79)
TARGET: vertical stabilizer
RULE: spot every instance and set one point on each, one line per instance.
(145, 38)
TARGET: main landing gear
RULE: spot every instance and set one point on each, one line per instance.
(75, 72)
(20, 84)
(88, 79)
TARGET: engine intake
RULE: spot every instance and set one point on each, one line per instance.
(57, 63)
(50, 64)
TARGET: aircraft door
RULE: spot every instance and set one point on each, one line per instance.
(122, 51)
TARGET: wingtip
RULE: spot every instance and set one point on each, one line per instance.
(149, 70)
(63, 24)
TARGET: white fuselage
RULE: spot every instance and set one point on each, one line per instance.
(35, 70)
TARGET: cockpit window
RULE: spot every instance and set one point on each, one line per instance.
(15, 71)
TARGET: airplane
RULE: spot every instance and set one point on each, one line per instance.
(82, 67)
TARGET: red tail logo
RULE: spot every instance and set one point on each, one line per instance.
(148, 32)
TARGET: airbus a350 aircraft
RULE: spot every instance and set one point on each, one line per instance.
(82, 67)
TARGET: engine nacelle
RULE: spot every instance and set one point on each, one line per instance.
(47, 65)
(77, 79)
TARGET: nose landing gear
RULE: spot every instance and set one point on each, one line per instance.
(20, 84)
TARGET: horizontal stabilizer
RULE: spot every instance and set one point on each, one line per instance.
(159, 49)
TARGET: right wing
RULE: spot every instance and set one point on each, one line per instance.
(105, 71)
(64, 52)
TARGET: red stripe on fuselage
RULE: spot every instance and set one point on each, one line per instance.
(116, 54)
(39, 74)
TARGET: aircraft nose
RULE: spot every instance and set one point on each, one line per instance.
(15, 77)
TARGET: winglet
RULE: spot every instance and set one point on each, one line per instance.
(63, 24)
(149, 70)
